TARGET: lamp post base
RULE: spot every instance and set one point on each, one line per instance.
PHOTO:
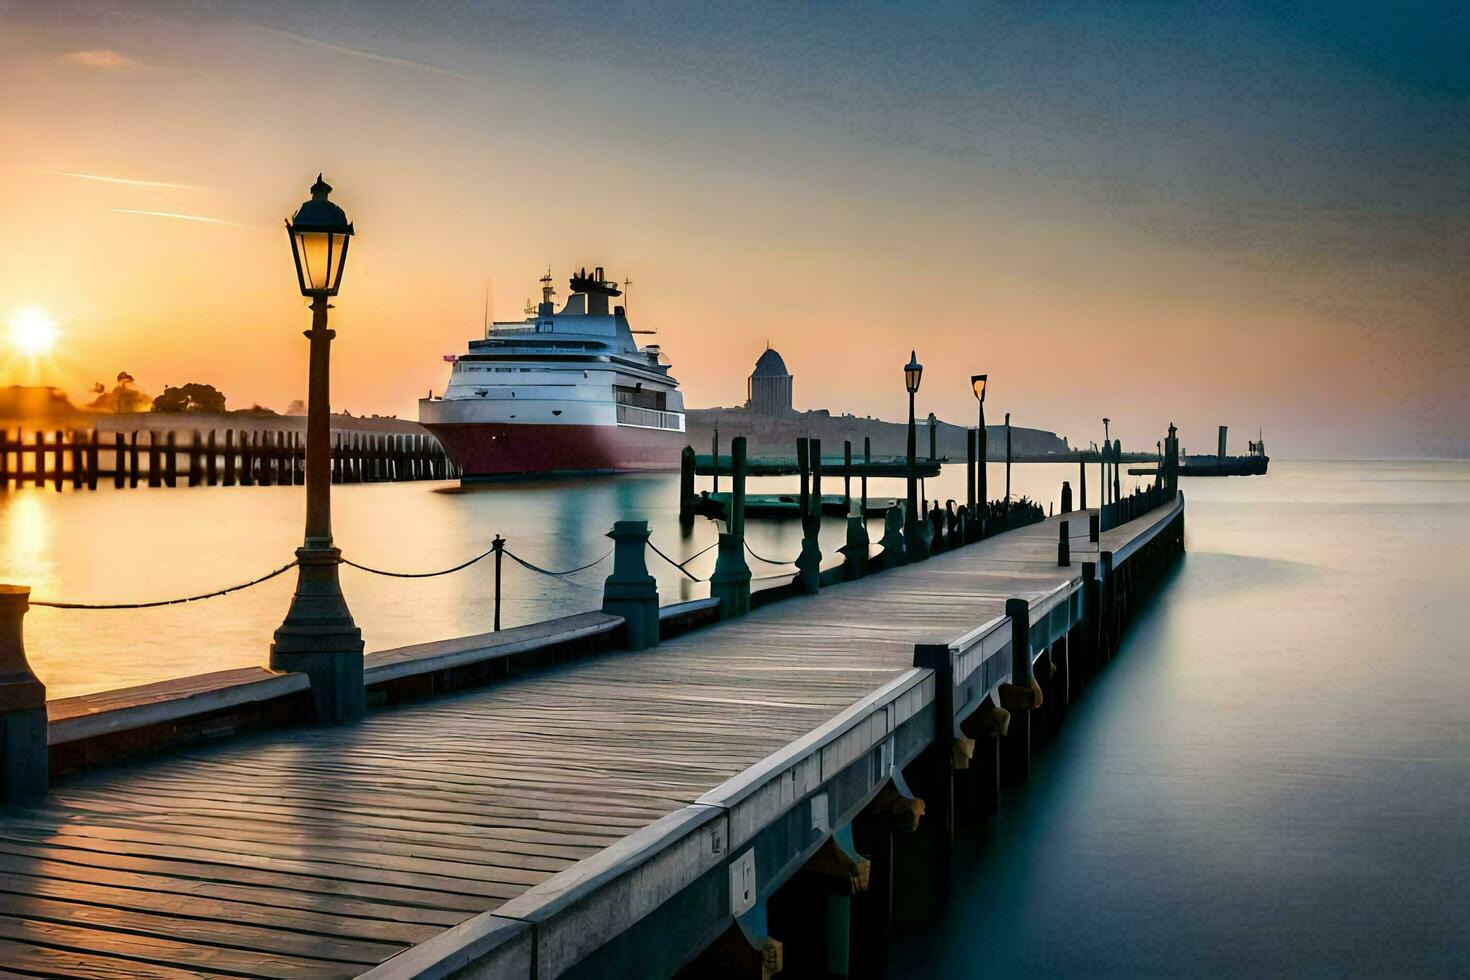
(319, 639)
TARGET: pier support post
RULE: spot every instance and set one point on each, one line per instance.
(1022, 695)
(855, 551)
(1064, 544)
(730, 581)
(686, 486)
(809, 562)
(630, 592)
(1109, 605)
(23, 753)
(1091, 620)
(922, 860)
(971, 444)
(987, 725)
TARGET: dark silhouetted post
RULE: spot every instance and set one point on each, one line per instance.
(686, 486)
(1066, 497)
(1064, 544)
(1008, 460)
(915, 544)
(498, 543)
(23, 725)
(867, 461)
(730, 581)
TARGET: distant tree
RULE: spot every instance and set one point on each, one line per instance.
(297, 407)
(122, 398)
(190, 398)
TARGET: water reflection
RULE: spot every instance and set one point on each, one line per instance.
(143, 544)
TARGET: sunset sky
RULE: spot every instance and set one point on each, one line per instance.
(1201, 213)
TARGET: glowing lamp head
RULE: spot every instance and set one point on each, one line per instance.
(320, 234)
(913, 371)
(977, 382)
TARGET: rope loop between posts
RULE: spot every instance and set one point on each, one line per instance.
(546, 571)
(682, 570)
(165, 602)
(379, 571)
(768, 561)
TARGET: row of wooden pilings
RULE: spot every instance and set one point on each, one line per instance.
(892, 866)
(246, 458)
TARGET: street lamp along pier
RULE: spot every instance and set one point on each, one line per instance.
(318, 636)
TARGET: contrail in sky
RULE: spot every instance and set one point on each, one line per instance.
(125, 180)
(387, 59)
(179, 217)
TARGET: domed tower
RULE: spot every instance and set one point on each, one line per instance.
(769, 388)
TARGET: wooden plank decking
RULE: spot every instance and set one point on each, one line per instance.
(319, 852)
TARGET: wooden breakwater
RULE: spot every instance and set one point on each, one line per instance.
(244, 457)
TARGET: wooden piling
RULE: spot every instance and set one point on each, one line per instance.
(229, 457)
(196, 459)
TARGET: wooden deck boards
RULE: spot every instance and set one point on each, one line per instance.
(320, 851)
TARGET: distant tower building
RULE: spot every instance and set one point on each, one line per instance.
(769, 391)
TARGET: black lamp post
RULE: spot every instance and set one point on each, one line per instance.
(318, 636)
(977, 384)
(1102, 462)
(915, 544)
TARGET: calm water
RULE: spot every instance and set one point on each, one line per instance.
(140, 544)
(1274, 777)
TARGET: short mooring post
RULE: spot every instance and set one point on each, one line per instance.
(1064, 544)
(1094, 526)
(1066, 497)
(730, 581)
(499, 545)
(630, 592)
(23, 759)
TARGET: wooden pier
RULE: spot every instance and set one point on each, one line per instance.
(610, 814)
(247, 457)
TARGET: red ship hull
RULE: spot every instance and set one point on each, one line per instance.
(488, 449)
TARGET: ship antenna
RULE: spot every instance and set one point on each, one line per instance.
(627, 305)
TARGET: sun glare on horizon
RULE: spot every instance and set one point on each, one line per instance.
(32, 332)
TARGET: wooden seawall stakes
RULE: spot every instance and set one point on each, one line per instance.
(244, 457)
(770, 789)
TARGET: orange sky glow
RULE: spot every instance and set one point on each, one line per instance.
(149, 163)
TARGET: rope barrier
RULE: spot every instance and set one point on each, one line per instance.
(545, 571)
(379, 571)
(768, 561)
(165, 602)
(684, 571)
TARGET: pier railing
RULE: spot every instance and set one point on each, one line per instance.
(244, 457)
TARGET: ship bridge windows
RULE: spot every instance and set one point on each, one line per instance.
(639, 396)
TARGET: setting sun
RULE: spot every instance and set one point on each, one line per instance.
(32, 333)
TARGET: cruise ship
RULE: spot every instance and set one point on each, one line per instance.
(562, 391)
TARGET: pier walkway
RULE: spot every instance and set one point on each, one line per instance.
(568, 803)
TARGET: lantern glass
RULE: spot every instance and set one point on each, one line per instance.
(913, 371)
(320, 234)
(321, 257)
(977, 382)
